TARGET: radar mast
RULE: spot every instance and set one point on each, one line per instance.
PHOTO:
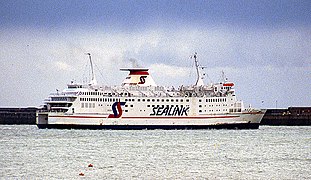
(93, 80)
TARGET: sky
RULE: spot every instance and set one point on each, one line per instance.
(263, 46)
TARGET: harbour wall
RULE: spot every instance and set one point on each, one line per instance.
(25, 115)
(292, 116)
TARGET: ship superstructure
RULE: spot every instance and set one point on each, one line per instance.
(139, 103)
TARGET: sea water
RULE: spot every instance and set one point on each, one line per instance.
(27, 152)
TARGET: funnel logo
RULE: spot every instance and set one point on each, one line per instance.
(142, 79)
(115, 106)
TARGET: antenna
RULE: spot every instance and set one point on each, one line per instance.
(93, 81)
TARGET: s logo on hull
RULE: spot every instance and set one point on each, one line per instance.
(116, 106)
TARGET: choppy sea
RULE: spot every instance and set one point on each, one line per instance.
(281, 152)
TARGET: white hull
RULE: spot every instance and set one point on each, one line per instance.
(249, 120)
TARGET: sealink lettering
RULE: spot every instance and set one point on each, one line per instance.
(169, 111)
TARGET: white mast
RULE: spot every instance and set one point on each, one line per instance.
(93, 81)
(200, 77)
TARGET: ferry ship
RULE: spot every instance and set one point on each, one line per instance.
(139, 103)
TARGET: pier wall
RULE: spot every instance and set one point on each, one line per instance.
(292, 116)
(18, 115)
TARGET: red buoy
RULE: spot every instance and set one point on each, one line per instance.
(81, 174)
(90, 165)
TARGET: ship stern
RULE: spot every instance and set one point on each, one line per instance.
(42, 119)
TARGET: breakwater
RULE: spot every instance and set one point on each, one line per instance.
(292, 116)
(26, 115)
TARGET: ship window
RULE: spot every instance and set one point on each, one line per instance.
(82, 105)
(148, 105)
(158, 100)
(143, 100)
(187, 100)
(167, 100)
(131, 105)
(176, 100)
(200, 100)
(125, 99)
(181, 100)
(138, 100)
(200, 105)
(148, 100)
(153, 100)
(126, 105)
(172, 100)
(200, 110)
(133, 100)
(126, 110)
(86, 105)
(162, 100)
